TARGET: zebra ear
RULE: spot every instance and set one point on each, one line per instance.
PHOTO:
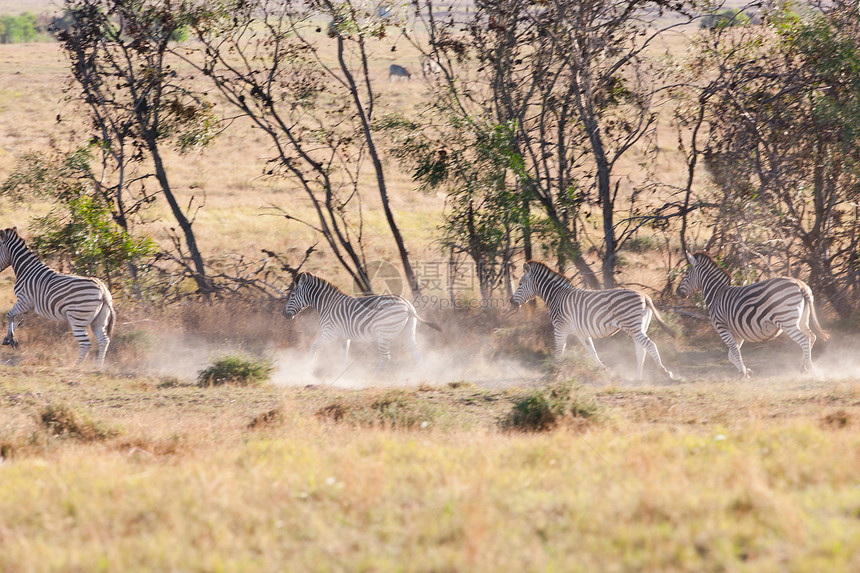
(691, 258)
(525, 267)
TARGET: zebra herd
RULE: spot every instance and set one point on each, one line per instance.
(755, 312)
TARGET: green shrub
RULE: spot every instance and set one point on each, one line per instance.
(236, 369)
(543, 410)
(534, 413)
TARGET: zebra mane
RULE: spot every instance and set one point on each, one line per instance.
(320, 281)
(6, 234)
(708, 257)
(548, 272)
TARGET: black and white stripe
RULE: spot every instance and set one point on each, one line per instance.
(344, 317)
(755, 312)
(82, 301)
(591, 314)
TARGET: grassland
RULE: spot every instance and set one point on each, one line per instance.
(139, 469)
(711, 476)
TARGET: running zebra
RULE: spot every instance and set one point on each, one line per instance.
(344, 317)
(591, 313)
(755, 312)
(82, 301)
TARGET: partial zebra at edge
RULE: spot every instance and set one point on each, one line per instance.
(81, 301)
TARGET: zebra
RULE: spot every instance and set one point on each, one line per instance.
(345, 317)
(755, 312)
(82, 301)
(587, 313)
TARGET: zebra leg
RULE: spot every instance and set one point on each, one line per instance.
(413, 343)
(84, 343)
(643, 343)
(735, 353)
(561, 342)
(13, 319)
(325, 337)
(803, 339)
(640, 360)
(384, 354)
(103, 340)
(346, 353)
(588, 344)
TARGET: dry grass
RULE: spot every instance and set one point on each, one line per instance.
(698, 477)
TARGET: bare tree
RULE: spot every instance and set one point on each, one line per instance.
(136, 101)
(575, 80)
(269, 59)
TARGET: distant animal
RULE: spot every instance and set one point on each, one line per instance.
(396, 72)
(344, 317)
(82, 301)
(591, 314)
(755, 312)
(430, 68)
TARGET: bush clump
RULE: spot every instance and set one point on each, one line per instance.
(392, 410)
(236, 369)
(543, 410)
(61, 420)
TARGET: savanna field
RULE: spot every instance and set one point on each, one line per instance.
(487, 457)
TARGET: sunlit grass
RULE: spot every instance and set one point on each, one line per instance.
(190, 481)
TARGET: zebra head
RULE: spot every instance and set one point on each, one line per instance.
(526, 290)
(297, 300)
(7, 239)
(692, 280)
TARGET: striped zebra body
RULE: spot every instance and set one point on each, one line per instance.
(591, 314)
(343, 317)
(755, 312)
(81, 301)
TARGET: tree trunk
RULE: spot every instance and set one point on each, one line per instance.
(377, 164)
(203, 282)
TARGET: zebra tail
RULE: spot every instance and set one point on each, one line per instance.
(432, 325)
(813, 318)
(111, 321)
(659, 319)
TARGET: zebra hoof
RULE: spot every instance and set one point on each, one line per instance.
(10, 342)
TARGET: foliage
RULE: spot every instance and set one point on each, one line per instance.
(472, 162)
(534, 413)
(79, 230)
(127, 81)
(572, 85)
(784, 147)
(236, 369)
(22, 28)
(724, 18)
